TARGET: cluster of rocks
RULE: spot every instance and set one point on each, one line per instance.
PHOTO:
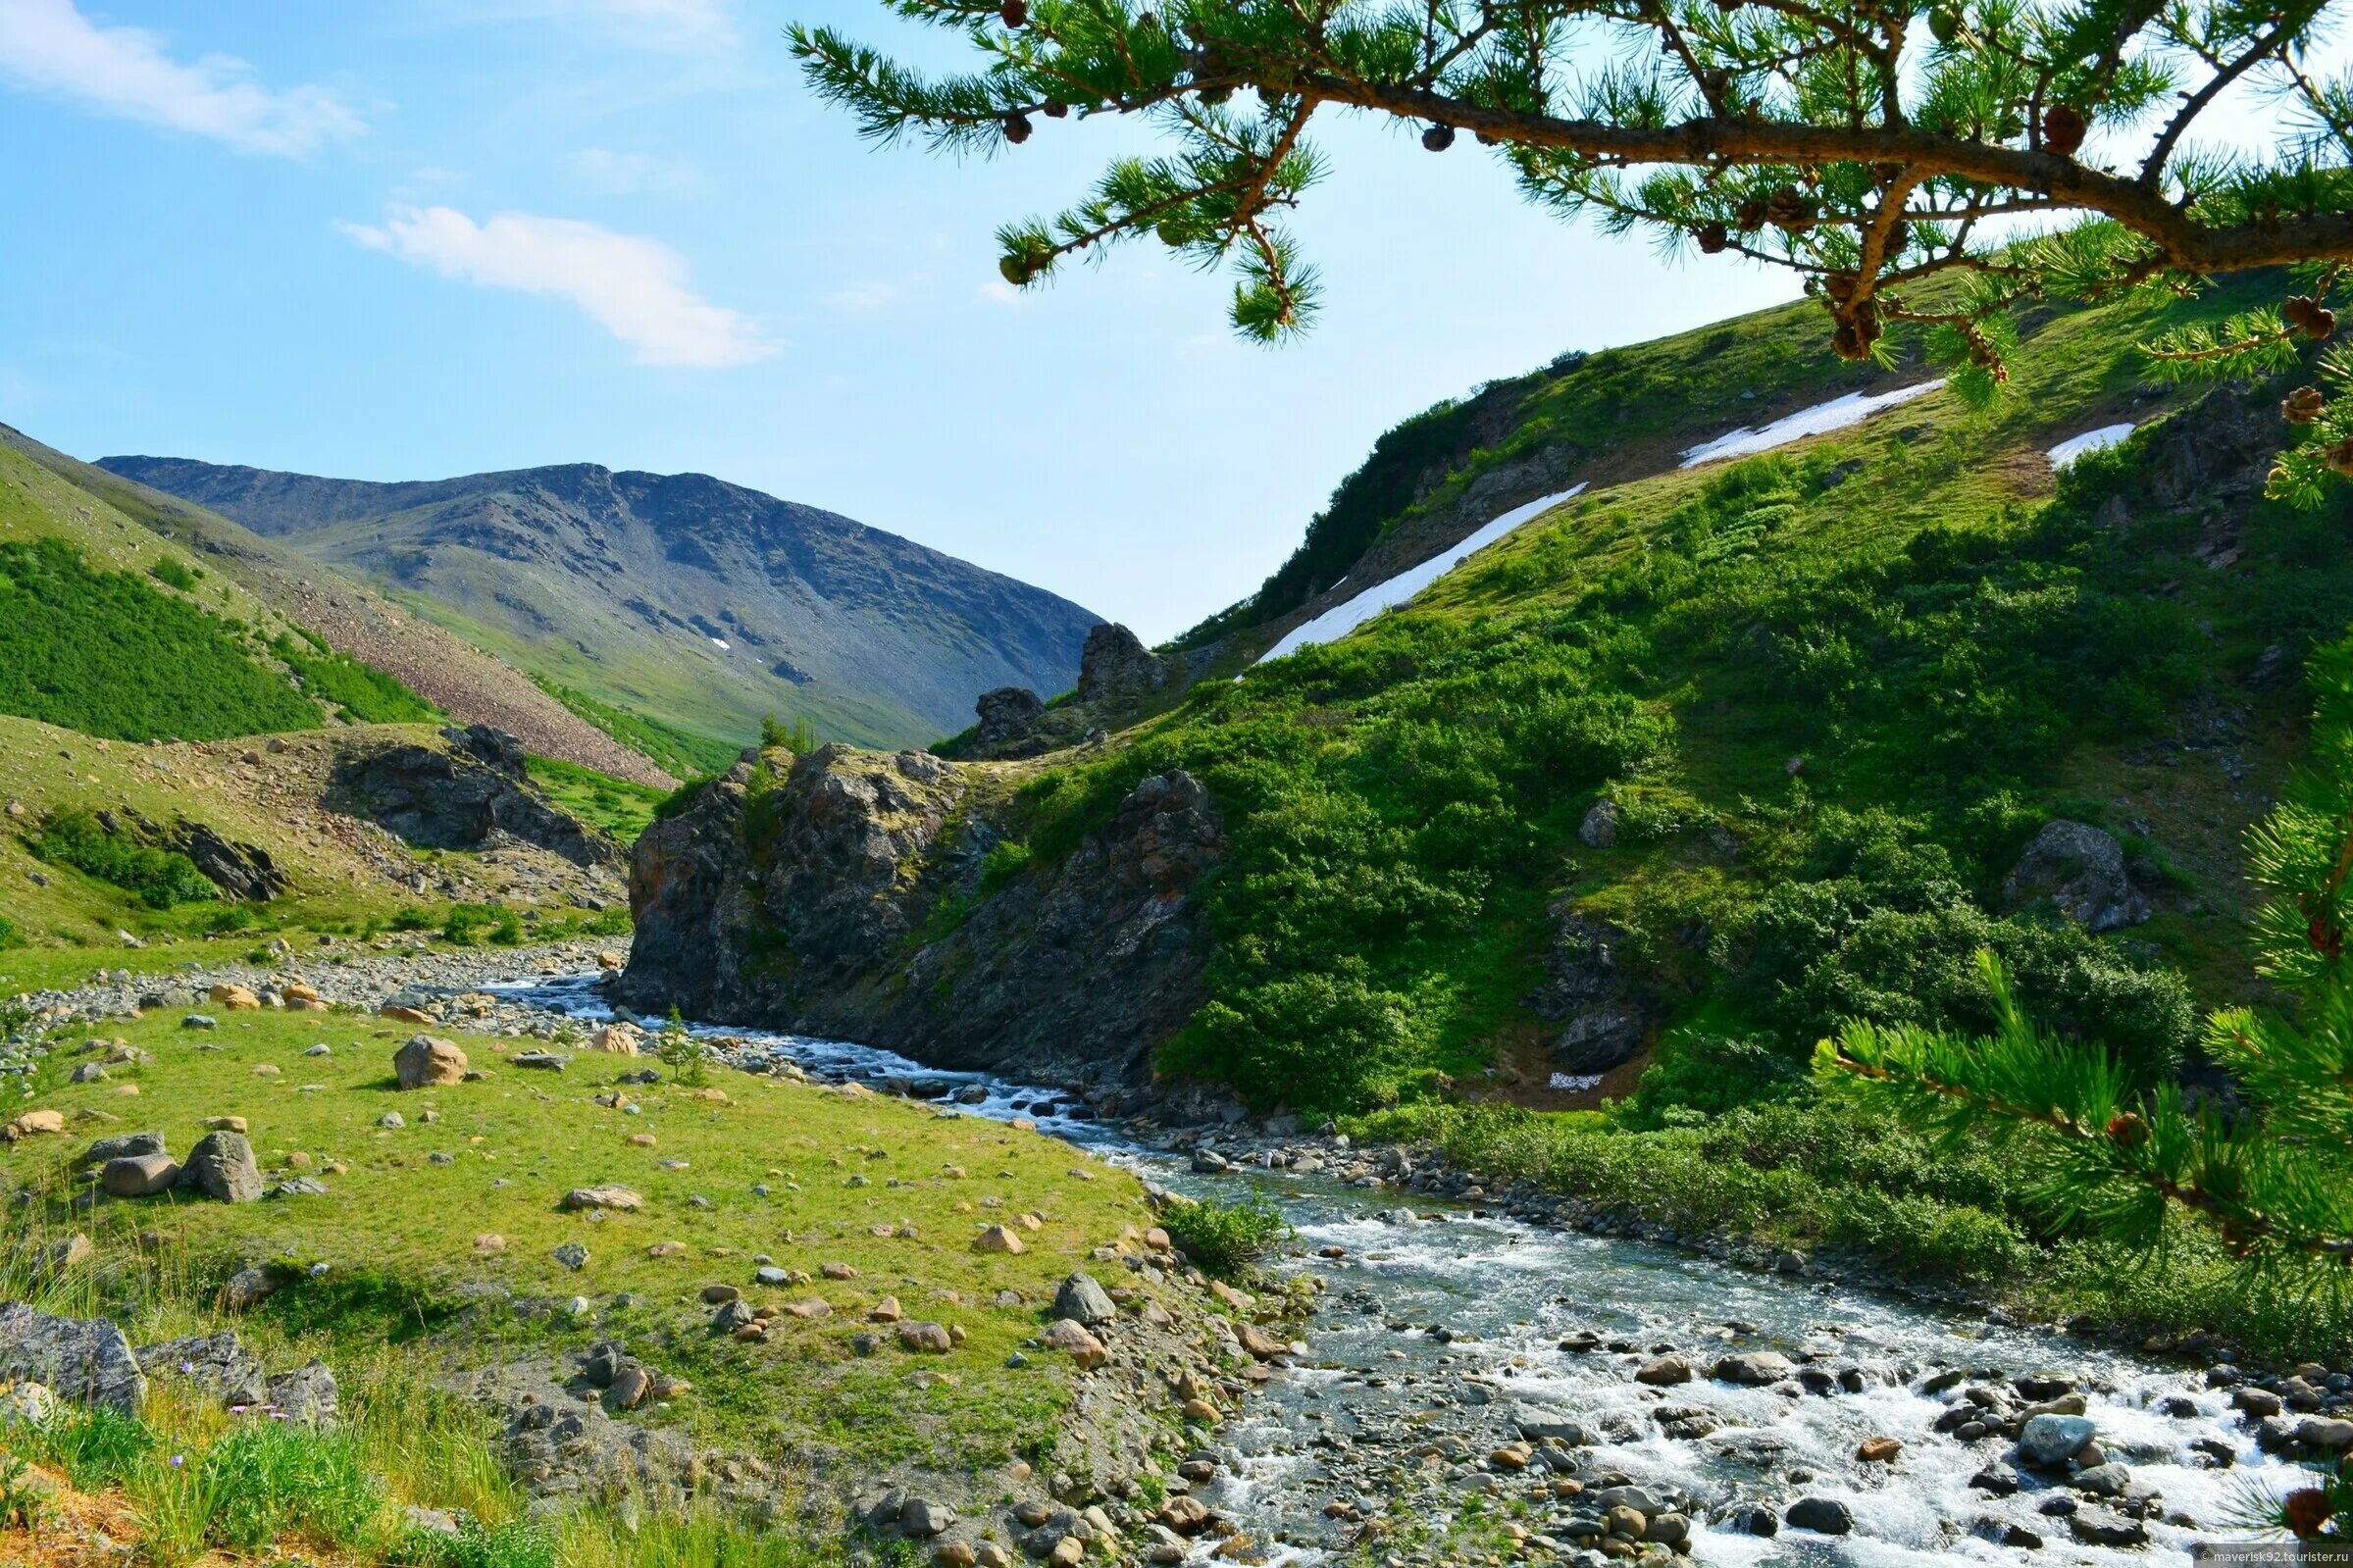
(220, 1167)
(1117, 674)
(90, 1361)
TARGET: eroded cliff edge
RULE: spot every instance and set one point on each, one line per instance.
(851, 894)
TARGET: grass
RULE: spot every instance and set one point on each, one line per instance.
(396, 1233)
(620, 807)
(684, 752)
(109, 653)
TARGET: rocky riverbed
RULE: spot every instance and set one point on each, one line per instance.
(1477, 1382)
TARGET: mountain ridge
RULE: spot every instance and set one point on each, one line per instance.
(685, 595)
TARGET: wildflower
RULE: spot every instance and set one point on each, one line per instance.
(178, 1459)
(187, 1369)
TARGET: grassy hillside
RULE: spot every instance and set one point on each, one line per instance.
(1829, 694)
(346, 878)
(348, 644)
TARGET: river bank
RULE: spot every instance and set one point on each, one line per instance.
(1495, 1371)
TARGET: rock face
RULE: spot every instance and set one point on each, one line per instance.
(2081, 870)
(1115, 664)
(87, 1360)
(1072, 969)
(472, 796)
(1605, 1015)
(218, 1364)
(1006, 716)
(240, 871)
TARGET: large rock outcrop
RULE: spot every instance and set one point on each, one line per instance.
(2081, 870)
(846, 893)
(1603, 1014)
(473, 795)
(1116, 665)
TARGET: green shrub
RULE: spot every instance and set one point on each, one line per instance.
(10, 936)
(1004, 862)
(109, 654)
(158, 878)
(468, 924)
(269, 1479)
(676, 802)
(687, 1057)
(516, 1543)
(1225, 1237)
(175, 573)
(413, 919)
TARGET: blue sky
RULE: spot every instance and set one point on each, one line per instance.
(404, 241)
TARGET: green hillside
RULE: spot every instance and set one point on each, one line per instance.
(1829, 694)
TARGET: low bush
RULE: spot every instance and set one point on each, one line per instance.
(468, 924)
(1225, 1237)
(10, 936)
(363, 693)
(158, 878)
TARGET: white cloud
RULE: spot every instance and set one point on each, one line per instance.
(872, 294)
(51, 47)
(635, 287)
(996, 291)
(629, 173)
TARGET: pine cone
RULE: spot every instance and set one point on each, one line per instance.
(1944, 24)
(2064, 129)
(1438, 138)
(1016, 270)
(2339, 457)
(2307, 314)
(1788, 209)
(1712, 237)
(2302, 406)
(1015, 12)
(2127, 1130)
(2308, 1509)
(1749, 216)
(1057, 108)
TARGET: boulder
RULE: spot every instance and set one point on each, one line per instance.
(997, 1238)
(424, 1062)
(932, 1339)
(1599, 830)
(138, 1175)
(1755, 1368)
(618, 1039)
(87, 1360)
(1825, 1516)
(1115, 664)
(251, 1287)
(1082, 1300)
(1006, 715)
(2080, 870)
(604, 1198)
(34, 1123)
(122, 1147)
(221, 1167)
(307, 1395)
(1070, 1335)
(233, 998)
(1665, 1372)
(2048, 1442)
(216, 1364)
(474, 795)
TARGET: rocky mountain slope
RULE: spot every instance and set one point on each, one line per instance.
(681, 596)
(120, 523)
(1709, 753)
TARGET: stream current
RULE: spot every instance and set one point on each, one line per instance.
(1439, 1331)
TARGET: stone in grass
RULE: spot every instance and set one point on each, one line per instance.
(139, 1175)
(424, 1062)
(122, 1147)
(307, 1395)
(218, 1364)
(1084, 1300)
(251, 1287)
(602, 1197)
(544, 1061)
(1825, 1516)
(571, 1255)
(222, 1167)
(84, 1360)
(920, 1516)
(997, 1238)
(929, 1339)
(1073, 1335)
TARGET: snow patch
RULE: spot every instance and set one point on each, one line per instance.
(1576, 1082)
(720, 643)
(2099, 440)
(1820, 420)
(1342, 617)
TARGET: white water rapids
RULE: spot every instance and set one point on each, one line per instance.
(1504, 1295)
